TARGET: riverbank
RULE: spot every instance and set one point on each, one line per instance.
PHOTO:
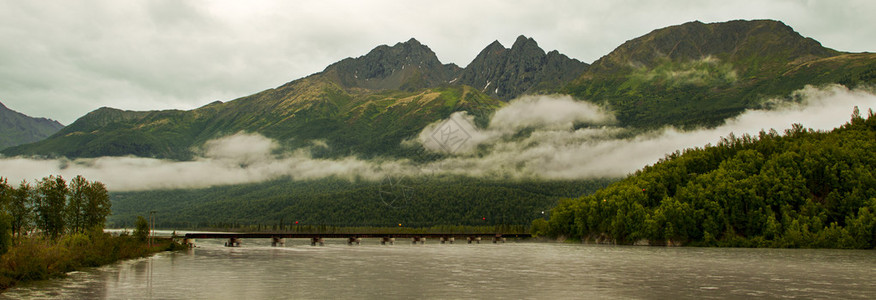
(40, 258)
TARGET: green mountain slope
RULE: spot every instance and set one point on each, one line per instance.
(17, 128)
(803, 189)
(687, 75)
(698, 74)
(298, 113)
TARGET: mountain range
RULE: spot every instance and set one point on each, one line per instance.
(17, 128)
(688, 75)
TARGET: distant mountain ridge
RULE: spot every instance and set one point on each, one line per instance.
(688, 75)
(733, 41)
(17, 128)
(698, 74)
(497, 71)
(359, 106)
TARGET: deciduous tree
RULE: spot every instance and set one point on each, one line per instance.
(51, 205)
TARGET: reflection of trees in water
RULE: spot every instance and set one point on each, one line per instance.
(142, 273)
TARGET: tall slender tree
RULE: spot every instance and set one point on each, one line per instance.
(51, 205)
(21, 208)
(5, 220)
(5, 194)
(76, 204)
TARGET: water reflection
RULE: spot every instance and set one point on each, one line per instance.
(513, 270)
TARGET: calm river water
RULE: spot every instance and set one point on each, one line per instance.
(524, 270)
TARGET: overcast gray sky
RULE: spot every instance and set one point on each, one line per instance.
(62, 59)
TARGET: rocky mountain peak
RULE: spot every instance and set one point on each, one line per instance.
(405, 65)
(508, 73)
(413, 42)
(493, 48)
(524, 43)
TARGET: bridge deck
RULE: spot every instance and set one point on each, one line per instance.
(348, 235)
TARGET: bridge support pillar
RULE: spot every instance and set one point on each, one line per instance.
(475, 239)
(446, 239)
(385, 240)
(353, 240)
(233, 242)
(189, 242)
(420, 239)
(317, 240)
(499, 239)
(278, 241)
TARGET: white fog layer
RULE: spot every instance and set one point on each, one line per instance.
(553, 149)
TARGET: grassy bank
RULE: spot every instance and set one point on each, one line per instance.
(39, 258)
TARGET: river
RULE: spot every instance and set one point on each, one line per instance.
(518, 270)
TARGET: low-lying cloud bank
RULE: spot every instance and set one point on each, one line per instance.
(559, 152)
(552, 148)
(236, 159)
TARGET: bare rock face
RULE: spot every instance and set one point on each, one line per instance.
(497, 71)
(404, 66)
(524, 68)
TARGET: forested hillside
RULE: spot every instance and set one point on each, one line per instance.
(803, 188)
(413, 202)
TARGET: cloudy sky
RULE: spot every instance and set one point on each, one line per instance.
(62, 59)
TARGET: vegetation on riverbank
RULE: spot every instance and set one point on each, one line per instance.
(803, 189)
(40, 257)
(54, 228)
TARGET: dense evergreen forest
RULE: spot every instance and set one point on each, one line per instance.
(412, 202)
(804, 188)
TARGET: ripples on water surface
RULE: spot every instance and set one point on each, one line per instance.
(512, 270)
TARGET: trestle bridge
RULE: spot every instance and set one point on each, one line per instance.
(279, 239)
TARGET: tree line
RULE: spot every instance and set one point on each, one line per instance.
(804, 188)
(53, 227)
(52, 207)
(415, 202)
